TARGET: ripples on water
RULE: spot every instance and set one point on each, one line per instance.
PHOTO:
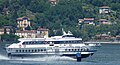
(108, 54)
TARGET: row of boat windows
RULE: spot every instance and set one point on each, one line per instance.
(44, 50)
(76, 49)
(32, 50)
(54, 42)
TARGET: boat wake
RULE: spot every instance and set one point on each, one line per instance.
(46, 58)
(2, 57)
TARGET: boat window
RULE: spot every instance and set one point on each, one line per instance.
(30, 42)
(75, 49)
(27, 42)
(16, 50)
(25, 50)
(23, 43)
(63, 42)
(39, 42)
(57, 42)
(34, 42)
(65, 49)
(78, 42)
(72, 42)
(82, 49)
(72, 49)
(41, 49)
(8, 49)
(66, 42)
(69, 49)
(35, 50)
(19, 50)
(44, 49)
(22, 50)
(32, 50)
(38, 50)
(29, 50)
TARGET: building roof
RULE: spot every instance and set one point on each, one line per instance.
(102, 35)
(2, 30)
(105, 7)
(103, 20)
(26, 31)
(88, 18)
(24, 17)
(42, 29)
(52, 0)
(80, 19)
(118, 36)
(5, 9)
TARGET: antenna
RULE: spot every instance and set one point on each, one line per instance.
(64, 33)
(70, 33)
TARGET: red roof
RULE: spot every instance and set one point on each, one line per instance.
(21, 18)
(26, 31)
(105, 7)
(52, 0)
(80, 20)
(88, 18)
(2, 30)
(103, 20)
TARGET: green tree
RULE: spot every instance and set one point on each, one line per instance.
(9, 37)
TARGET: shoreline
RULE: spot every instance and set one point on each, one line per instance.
(114, 42)
(101, 42)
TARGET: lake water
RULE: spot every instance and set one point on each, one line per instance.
(108, 54)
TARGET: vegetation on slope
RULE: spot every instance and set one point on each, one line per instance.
(63, 15)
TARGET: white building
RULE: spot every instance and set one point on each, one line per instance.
(23, 22)
(2, 31)
(26, 33)
(53, 2)
(104, 21)
(104, 10)
(87, 21)
(39, 33)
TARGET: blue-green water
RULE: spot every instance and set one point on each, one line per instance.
(108, 54)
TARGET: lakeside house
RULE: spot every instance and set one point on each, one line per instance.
(5, 11)
(104, 21)
(87, 21)
(104, 10)
(42, 33)
(39, 33)
(53, 2)
(118, 37)
(23, 22)
(6, 29)
(2, 31)
(103, 36)
(26, 33)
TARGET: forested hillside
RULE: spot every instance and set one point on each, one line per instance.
(64, 14)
